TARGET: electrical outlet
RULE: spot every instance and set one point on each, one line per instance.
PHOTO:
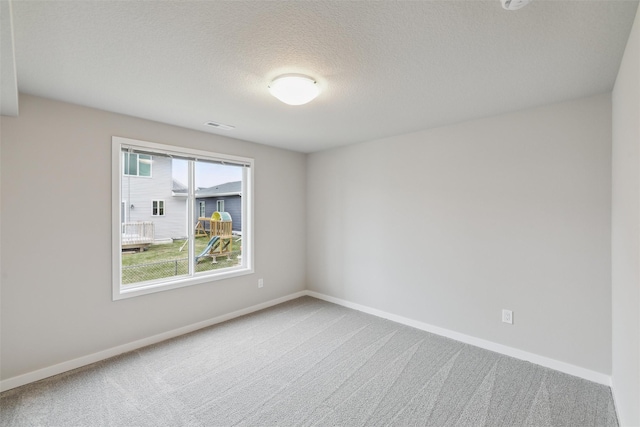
(507, 316)
(260, 283)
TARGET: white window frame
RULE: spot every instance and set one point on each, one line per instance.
(202, 209)
(194, 278)
(138, 167)
(218, 203)
(160, 207)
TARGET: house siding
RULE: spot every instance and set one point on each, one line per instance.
(232, 205)
(141, 191)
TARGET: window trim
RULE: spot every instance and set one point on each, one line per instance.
(248, 250)
(202, 208)
(218, 203)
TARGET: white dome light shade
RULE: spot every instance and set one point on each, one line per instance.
(514, 4)
(294, 89)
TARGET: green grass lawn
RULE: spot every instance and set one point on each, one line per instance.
(160, 261)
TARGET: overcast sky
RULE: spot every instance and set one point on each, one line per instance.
(207, 174)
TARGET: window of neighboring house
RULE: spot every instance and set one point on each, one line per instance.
(157, 208)
(136, 164)
(123, 211)
(187, 256)
(220, 205)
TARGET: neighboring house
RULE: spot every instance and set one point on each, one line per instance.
(225, 197)
(151, 194)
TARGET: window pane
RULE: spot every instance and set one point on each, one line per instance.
(125, 163)
(144, 165)
(221, 244)
(155, 227)
(131, 164)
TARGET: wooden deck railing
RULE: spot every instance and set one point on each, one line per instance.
(137, 233)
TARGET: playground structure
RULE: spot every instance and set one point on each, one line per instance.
(220, 234)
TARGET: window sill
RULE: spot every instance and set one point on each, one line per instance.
(165, 285)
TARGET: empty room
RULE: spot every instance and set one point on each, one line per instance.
(283, 213)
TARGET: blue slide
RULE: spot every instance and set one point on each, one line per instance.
(211, 244)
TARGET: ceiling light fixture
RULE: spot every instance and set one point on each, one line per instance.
(514, 4)
(294, 89)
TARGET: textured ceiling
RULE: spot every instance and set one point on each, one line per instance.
(384, 68)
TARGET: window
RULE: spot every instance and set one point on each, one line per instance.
(123, 211)
(157, 208)
(136, 164)
(220, 205)
(178, 250)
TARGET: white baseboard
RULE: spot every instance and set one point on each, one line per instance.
(557, 365)
(615, 402)
(49, 371)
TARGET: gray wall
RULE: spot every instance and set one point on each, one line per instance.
(625, 246)
(507, 212)
(56, 263)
